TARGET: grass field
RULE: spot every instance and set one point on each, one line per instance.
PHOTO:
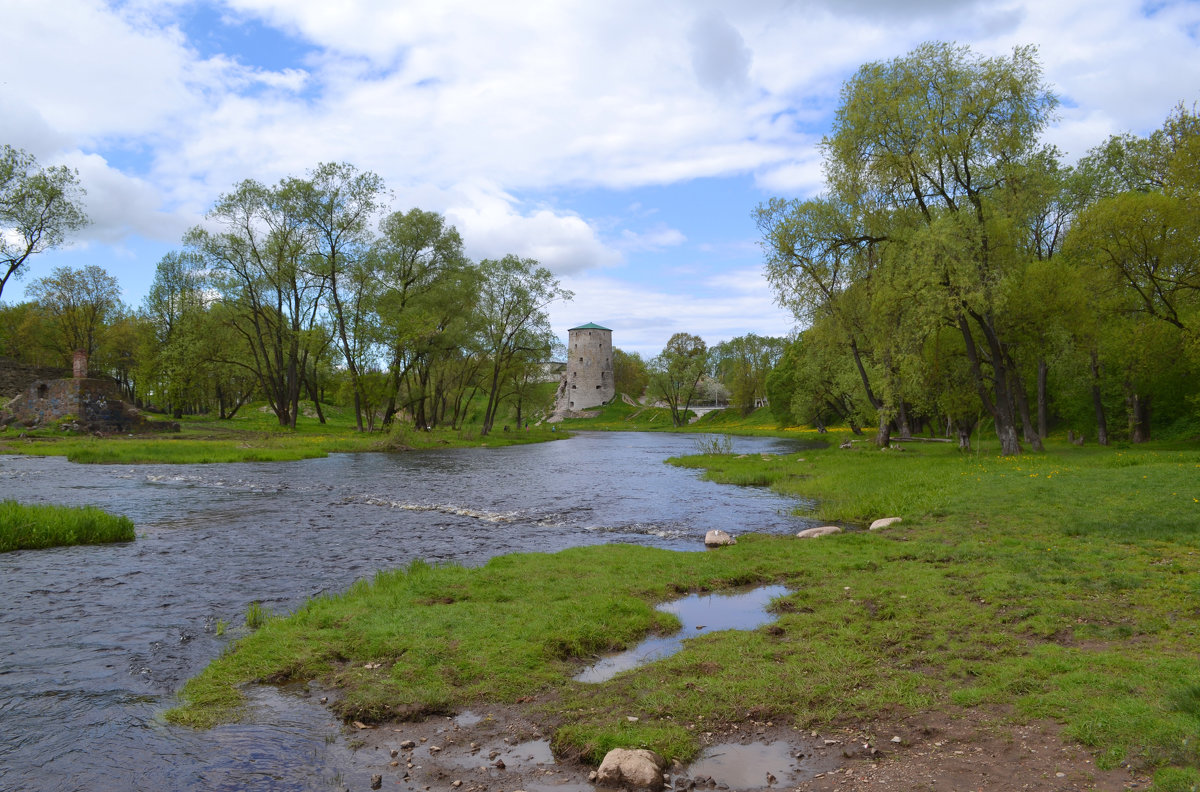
(1062, 586)
(34, 526)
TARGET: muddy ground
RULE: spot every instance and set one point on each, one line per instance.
(502, 749)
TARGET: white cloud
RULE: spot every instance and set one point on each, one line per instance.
(471, 104)
(657, 238)
(492, 226)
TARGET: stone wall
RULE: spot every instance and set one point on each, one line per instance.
(92, 404)
(16, 377)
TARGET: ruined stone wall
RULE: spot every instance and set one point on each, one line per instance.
(588, 380)
(16, 377)
(94, 404)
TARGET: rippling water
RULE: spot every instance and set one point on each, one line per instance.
(94, 641)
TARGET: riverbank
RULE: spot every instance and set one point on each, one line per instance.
(254, 436)
(35, 526)
(1016, 592)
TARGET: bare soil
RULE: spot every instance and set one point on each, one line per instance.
(505, 749)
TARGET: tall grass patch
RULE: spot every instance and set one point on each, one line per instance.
(34, 526)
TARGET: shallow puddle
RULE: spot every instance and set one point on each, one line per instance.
(758, 765)
(698, 613)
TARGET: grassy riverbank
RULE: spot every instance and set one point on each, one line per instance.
(255, 436)
(34, 526)
(1059, 586)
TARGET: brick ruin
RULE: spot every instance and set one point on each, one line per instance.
(90, 403)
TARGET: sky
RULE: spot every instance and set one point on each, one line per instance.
(622, 144)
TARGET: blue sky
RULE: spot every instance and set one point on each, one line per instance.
(623, 144)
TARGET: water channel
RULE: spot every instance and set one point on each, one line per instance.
(95, 641)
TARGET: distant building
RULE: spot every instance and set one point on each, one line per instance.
(588, 379)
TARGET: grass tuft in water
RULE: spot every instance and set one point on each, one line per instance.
(34, 526)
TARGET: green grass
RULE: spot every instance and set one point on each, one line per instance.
(1061, 586)
(30, 526)
(255, 436)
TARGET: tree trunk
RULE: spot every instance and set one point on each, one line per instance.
(1042, 402)
(1001, 407)
(1139, 416)
(1022, 401)
(1098, 402)
(883, 438)
(902, 422)
(963, 430)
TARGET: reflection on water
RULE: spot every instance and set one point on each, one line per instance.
(696, 613)
(94, 641)
(759, 764)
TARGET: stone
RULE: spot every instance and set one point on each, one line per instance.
(884, 523)
(376, 781)
(814, 533)
(717, 538)
(636, 768)
(408, 745)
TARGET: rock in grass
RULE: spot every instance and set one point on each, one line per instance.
(717, 538)
(636, 768)
(813, 533)
(884, 523)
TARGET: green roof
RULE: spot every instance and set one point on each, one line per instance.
(591, 326)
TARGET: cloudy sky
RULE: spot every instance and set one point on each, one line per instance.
(623, 144)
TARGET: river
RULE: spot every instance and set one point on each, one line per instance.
(95, 641)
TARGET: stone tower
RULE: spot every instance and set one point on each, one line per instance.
(588, 380)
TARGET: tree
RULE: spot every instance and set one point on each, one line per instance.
(425, 294)
(39, 208)
(926, 167)
(675, 373)
(742, 365)
(514, 293)
(630, 375)
(80, 302)
(337, 202)
(258, 262)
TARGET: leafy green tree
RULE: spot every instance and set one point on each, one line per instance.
(514, 294)
(258, 261)
(39, 209)
(630, 374)
(924, 215)
(79, 302)
(426, 292)
(337, 202)
(675, 374)
(742, 364)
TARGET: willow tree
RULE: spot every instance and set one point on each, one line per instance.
(924, 166)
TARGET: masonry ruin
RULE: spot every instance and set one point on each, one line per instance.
(81, 402)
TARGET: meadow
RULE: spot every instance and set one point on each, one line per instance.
(1061, 586)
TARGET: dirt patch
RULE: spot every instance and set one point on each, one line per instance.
(497, 748)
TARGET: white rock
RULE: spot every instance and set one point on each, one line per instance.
(631, 767)
(813, 533)
(716, 538)
(884, 523)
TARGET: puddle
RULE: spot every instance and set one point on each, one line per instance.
(698, 613)
(753, 766)
(467, 718)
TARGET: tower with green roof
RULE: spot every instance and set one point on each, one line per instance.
(588, 380)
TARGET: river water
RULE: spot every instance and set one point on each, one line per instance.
(95, 641)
